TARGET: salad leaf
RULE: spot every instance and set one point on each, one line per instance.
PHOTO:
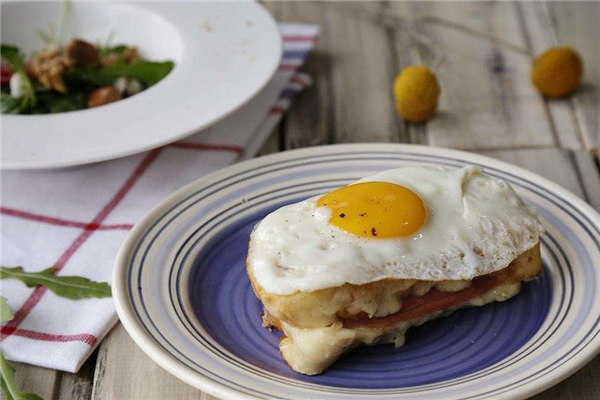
(147, 72)
(50, 101)
(7, 382)
(5, 314)
(12, 56)
(71, 287)
(47, 102)
(12, 105)
(119, 49)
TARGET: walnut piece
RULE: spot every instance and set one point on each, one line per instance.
(48, 66)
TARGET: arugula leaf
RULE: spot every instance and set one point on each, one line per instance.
(12, 105)
(16, 60)
(71, 287)
(5, 314)
(12, 56)
(50, 101)
(147, 72)
(7, 382)
(104, 51)
(47, 102)
(119, 49)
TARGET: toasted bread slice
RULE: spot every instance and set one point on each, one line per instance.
(320, 326)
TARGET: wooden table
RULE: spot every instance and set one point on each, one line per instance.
(487, 106)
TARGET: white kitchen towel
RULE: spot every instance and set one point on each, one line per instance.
(75, 219)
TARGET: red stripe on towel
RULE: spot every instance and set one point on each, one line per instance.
(49, 337)
(61, 222)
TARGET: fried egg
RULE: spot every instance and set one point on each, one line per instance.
(427, 223)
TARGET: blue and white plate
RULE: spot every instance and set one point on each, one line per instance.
(183, 295)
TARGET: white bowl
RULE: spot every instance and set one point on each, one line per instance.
(224, 54)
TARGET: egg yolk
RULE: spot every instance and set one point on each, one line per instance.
(375, 209)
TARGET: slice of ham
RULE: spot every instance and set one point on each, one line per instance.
(434, 300)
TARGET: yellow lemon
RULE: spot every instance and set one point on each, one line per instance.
(557, 72)
(416, 91)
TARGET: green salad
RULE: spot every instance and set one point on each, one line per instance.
(74, 76)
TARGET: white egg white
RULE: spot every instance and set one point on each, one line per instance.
(476, 225)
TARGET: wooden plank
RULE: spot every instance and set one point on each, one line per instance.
(539, 31)
(588, 170)
(361, 74)
(350, 100)
(361, 78)
(583, 385)
(123, 371)
(273, 142)
(576, 24)
(596, 154)
(78, 386)
(309, 122)
(410, 46)
(554, 164)
(41, 381)
(576, 171)
(407, 50)
(487, 101)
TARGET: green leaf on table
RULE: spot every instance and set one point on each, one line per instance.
(5, 314)
(147, 72)
(7, 382)
(71, 287)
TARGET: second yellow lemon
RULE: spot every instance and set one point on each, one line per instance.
(416, 91)
(557, 72)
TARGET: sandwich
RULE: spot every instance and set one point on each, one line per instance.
(362, 264)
